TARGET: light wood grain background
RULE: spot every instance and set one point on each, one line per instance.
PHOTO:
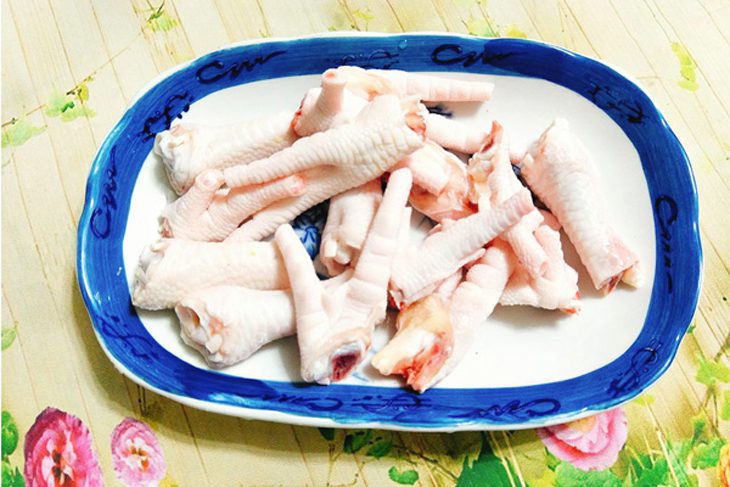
(57, 45)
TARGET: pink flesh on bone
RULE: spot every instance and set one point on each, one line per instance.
(422, 343)
(452, 199)
(188, 149)
(334, 327)
(348, 221)
(559, 170)
(171, 269)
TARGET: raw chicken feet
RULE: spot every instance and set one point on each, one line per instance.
(207, 212)
(334, 329)
(559, 170)
(348, 221)
(171, 269)
(418, 271)
(188, 149)
(332, 162)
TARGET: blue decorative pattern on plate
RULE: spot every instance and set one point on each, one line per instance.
(649, 323)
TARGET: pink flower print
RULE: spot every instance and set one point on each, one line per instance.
(136, 454)
(58, 452)
(591, 443)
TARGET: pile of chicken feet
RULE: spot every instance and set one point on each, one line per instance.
(234, 289)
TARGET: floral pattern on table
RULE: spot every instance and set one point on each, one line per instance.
(588, 451)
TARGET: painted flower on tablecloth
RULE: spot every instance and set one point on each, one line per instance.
(723, 466)
(58, 451)
(591, 443)
(137, 454)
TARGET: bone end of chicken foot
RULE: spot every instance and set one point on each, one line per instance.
(150, 257)
(340, 362)
(421, 345)
(227, 324)
(176, 147)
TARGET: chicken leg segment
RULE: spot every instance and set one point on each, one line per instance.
(418, 271)
(334, 329)
(332, 162)
(348, 220)
(559, 170)
(493, 181)
(210, 213)
(188, 149)
(436, 332)
(171, 269)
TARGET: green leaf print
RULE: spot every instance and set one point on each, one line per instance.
(8, 336)
(160, 20)
(17, 133)
(725, 411)
(9, 434)
(686, 67)
(699, 422)
(363, 15)
(480, 27)
(487, 469)
(66, 108)
(567, 475)
(513, 31)
(706, 455)
(406, 477)
(380, 448)
(18, 480)
(327, 433)
(648, 472)
(711, 371)
(7, 475)
(355, 441)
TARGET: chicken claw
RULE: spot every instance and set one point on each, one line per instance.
(493, 181)
(417, 272)
(557, 288)
(454, 135)
(435, 333)
(188, 149)
(348, 221)
(332, 162)
(171, 269)
(334, 328)
(369, 83)
(559, 170)
(206, 212)
(327, 107)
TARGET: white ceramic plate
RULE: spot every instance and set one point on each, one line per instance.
(527, 367)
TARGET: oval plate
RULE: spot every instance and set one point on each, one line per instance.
(613, 350)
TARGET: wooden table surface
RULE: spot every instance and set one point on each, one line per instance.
(71, 67)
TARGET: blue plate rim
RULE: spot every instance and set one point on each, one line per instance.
(646, 365)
